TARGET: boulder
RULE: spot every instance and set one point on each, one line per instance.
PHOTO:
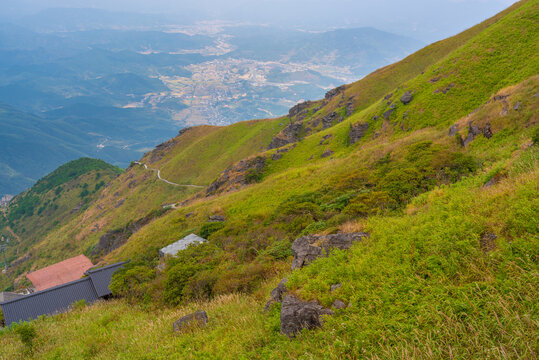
(335, 287)
(276, 156)
(357, 131)
(298, 108)
(326, 153)
(216, 218)
(277, 294)
(196, 319)
(406, 98)
(306, 249)
(517, 106)
(297, 315)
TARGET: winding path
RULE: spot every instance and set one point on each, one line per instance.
(165, 180)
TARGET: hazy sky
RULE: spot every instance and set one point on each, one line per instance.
(427, 20)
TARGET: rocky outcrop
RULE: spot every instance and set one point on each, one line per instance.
(297, 315)
(406, 98)
(276, 295)
(326, 153)
(334, 92)
(306, 249)
(196, 319)
(357, 131)
(350, 107)
(238, 175)
(388, 113)
(113, 239)
(300, 109)
(331, 119)
(288, 135)
(474, 131)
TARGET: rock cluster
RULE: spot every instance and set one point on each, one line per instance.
(334, 92)
(306, 249)
(357, 131)
(331, 119)
(297, 315)
(288, 135)
(474, 131)
(235, 176)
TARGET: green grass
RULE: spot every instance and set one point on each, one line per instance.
(424, 285)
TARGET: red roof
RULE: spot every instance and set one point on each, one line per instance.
(60, 273)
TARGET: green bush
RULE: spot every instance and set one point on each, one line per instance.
(27, 333)
(209, 228)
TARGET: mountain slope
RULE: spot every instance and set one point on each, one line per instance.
(53, 200)
(443, 178)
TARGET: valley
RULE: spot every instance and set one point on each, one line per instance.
(393, 217)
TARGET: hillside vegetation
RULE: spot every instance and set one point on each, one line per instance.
(435, 157)
(53, 200)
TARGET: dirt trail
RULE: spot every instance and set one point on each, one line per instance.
(164, 180)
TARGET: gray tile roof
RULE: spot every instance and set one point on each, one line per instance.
(182, 244)
(59, 298)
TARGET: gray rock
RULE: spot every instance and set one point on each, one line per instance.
(388, 96)
(334, 92)
(388, 113)
(357, 131)
(517, 106)
(473, 131)
(325, 138)
(338, 304)
(276, 295)
(335, 287)
(306, 249)
(331, 119)
(216, 218)
(487, 132)
(297, 315)
(326, 153)
(189, 214)
(276, 156)
(196, 319)
(375, 117)
(406, 98)
(453, 129)
(288, 135)
(299, 108)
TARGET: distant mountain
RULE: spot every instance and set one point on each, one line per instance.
(31, 145)
(360, 49)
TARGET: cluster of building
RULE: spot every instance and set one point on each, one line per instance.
(4, 200)
(57, 287)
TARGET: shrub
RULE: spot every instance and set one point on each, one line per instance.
(27, 333)
(208, 229)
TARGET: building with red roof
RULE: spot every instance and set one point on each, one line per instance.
(60, 273)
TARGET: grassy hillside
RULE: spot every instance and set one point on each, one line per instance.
(53, 200)
(445, 184)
